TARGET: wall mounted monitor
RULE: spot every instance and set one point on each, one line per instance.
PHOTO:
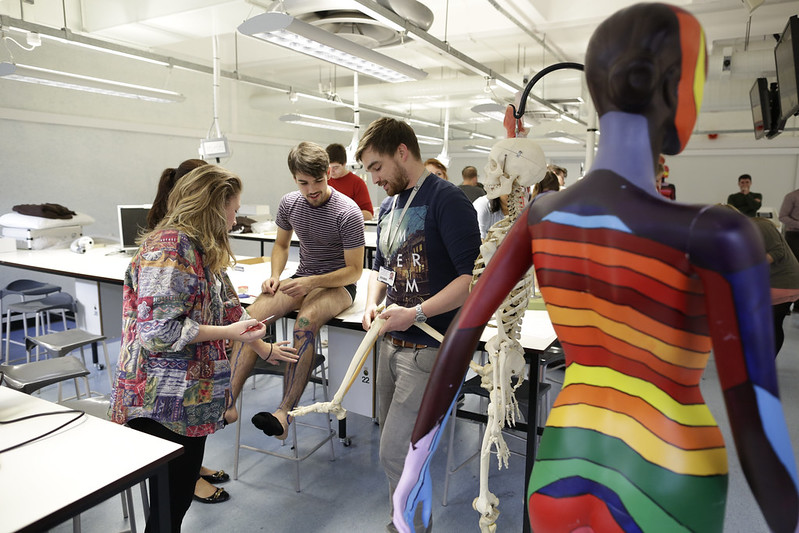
(785, 55)
(132, 222)
(761, 109)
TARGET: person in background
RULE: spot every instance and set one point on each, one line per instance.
(437, 168)
(490, 211)
(559, 172)
(470, 186)
(347, 182)
(746, 201)
(428, 240)
(179, 309)
(329, 226)
(549, 183)
(204, 491)
(668, 190)
(783, 276)
(789, 216)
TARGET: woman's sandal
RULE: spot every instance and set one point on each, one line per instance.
(219, 496)
(220, 476)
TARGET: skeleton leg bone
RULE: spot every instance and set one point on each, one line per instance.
(357, 362)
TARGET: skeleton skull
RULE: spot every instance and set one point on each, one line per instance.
(511, 163)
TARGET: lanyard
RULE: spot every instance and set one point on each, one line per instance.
(389, 238)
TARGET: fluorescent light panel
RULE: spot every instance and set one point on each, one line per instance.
(286, 31)
(477, 148)
(564, 137)
(317, 122)
(426, 139)
(66, 80)
(492, 111)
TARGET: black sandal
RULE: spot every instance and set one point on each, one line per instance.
(219, 496)
(220, 476)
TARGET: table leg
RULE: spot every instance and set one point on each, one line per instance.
(160, 480)
(532, 437)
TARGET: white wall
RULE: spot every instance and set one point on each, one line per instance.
(92, 152)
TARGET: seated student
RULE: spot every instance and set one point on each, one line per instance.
(330, 229)
(346, 182)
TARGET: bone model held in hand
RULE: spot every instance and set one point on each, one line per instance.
(358, 360)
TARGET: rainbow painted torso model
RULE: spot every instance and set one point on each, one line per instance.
(629, 436)
(639, 289)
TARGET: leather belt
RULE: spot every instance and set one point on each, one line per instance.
(405, 344)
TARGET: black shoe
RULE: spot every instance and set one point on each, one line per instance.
(219, 496)
(220, 476)
(268, 423)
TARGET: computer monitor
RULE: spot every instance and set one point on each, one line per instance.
(786, 54)
(132, 222)
(761, 110)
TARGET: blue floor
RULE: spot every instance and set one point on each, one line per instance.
(350, 493)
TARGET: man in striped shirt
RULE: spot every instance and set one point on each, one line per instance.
(329, 226)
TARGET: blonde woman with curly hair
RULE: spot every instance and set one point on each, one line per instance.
(179, 309)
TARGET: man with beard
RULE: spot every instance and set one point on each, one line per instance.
(330, 230)
(428, 240)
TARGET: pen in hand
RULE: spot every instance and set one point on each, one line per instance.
(255, 326)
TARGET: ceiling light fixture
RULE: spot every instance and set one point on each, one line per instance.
(492, 110)
(478, 135)
(426, 139)
(316, 122)
(66, 80)
(568, 118)
(286, 31)
(563, 137)
(477, 148)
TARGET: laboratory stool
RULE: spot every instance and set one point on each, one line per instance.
(30, 377)
(262, 367)
(530, 428)
(97, 406)
(24, 288)
(61, 343)
(41, 308)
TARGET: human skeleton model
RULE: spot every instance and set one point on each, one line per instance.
(639, 290)
(513, 165)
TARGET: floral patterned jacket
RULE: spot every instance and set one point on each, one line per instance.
(168, 293)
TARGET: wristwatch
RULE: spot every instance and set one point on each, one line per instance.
(420, 316)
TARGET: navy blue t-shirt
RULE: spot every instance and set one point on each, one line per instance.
(437, 240)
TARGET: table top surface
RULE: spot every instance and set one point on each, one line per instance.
(537, 332)
(87, 461)
(370, 237)
(103, 264)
